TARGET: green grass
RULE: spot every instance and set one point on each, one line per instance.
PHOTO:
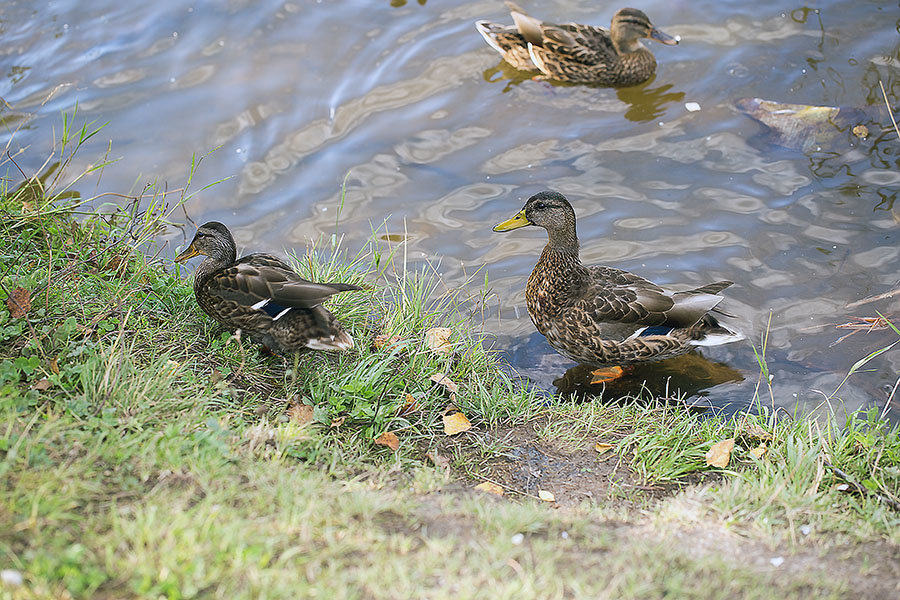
(146, 452)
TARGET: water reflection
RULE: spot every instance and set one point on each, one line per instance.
(503, 71)
(680, 377)
(647, 103)
(441, 139)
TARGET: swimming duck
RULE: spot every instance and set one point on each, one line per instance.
(578, 53)
(263, 296)
(604, 317)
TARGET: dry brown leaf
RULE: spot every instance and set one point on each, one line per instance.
(753, 430)
(437, 459)
(410, 405)
(456, 423)
(388, 439)
(602, 447)
(42, 385)
(445, 381)
(337, 422)
(116, 264)
(301, 414)
(759, 451)
(382, 340)
(54, 366)
(490, 488)
(18, 303)
(546, 496)
(720, 453)
(438, 339)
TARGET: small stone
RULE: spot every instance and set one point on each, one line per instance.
(11, 577)
(692, 106)
(517, 539)
(805, 529)
(777, 561)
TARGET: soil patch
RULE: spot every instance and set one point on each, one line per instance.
(524, 463)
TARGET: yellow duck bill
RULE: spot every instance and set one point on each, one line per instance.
(190, 252)
(520, 220)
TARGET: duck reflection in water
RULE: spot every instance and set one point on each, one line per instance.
(687, 377)
(647, 103)
(682, 377)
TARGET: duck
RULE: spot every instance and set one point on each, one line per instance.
(578, 53)
(263, 296)
(607, 318)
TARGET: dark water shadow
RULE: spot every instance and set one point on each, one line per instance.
(504, 71)
(688, 379)
(647, 103)
(683, 379)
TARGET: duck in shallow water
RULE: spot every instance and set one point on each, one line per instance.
(578, 53)
(604, 317)
(263, 296)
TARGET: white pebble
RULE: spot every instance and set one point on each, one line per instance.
(777, 561)
(11, 577)
(692, 106)
(517, 539)
(805, 529)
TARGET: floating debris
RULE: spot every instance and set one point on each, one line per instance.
(802, 126)
(692, 106)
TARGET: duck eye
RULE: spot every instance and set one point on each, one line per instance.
(540, 205)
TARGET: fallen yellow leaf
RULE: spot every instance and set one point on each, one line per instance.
(438, 339)
(456, 423)
(300, 413)
(388, 439)
(337, 422)
(409, 406)
(54, 366)
(720, 453)
(445, 381)
(759, 451)
(490, 488)
(601, 447)
(546, 496)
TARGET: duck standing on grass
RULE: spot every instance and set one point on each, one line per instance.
(578, 53)
(604, 317)
(263, 296)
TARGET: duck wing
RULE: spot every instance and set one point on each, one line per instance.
(260, 280)
(582, 44)
(617, 296)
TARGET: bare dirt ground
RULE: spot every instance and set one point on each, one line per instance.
(671, 515)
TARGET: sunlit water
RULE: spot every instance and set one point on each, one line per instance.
(441, 141)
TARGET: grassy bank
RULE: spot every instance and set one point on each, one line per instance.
(145, 452)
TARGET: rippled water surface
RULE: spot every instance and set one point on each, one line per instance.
(441, 141)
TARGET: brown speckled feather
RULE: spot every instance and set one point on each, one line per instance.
(263, 296)
(574, 52)
(599, 316)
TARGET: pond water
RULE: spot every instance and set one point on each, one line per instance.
(441, 141)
